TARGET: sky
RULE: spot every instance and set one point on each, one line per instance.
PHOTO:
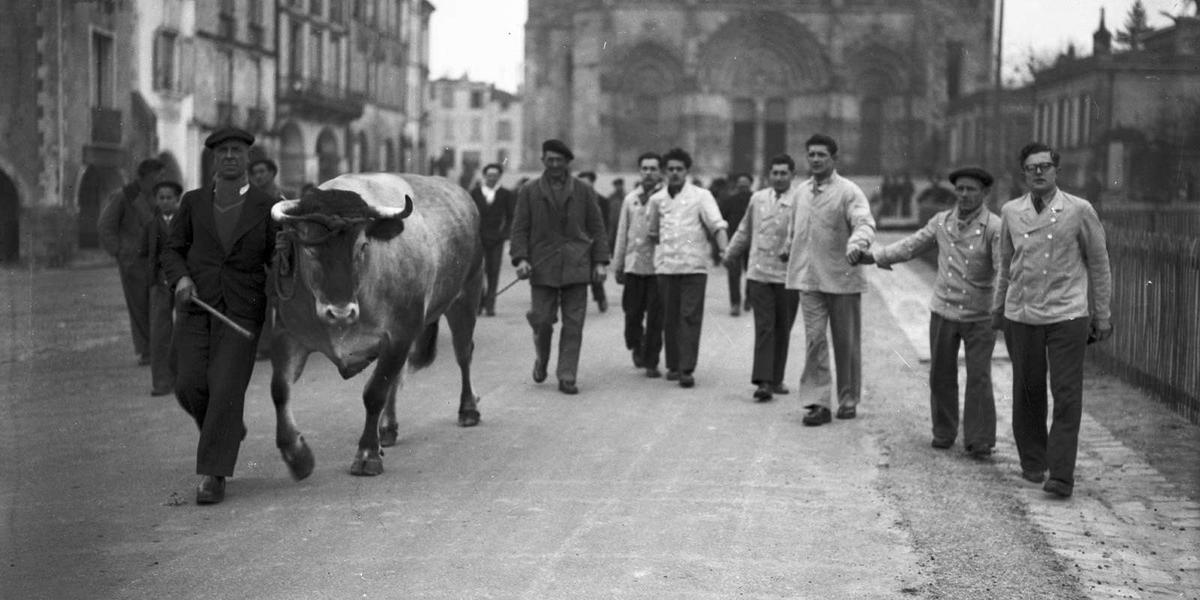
(485, 38)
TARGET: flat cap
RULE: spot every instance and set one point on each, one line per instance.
(973, 172)
(228, 133)
(559, 147)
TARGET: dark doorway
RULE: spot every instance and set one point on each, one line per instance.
(742, 160)
(328, 160)
(871, 138)
(10, 220)
(774, 130)
(97, 185)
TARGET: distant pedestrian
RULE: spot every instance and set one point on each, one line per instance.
(262, 172)
(615, 199)
(633, 264)
(1052, 299)
(218, 251)
(967, 238)
(760, 239)
(162, 300)
(831, 231)
(733, 207)
(598, 293)
(558, 243)
(124, 226)
(682, 217)
(495, 206)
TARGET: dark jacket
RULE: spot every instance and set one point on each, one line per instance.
(233, 282)
(124, 224)
(495, 221)
(564, 242)
(157, 235)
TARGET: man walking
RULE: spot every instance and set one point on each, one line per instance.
(124, 227)
(495, 206)
(262, 172)
(831, 230)
(759, 241)
(682, 216)
(1052, 299)
(633, 263)
(558, 243)
(220, 245)
(733, 207)
(162, 301)
(967, 238)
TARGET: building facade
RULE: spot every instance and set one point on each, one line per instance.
(472, 124)
(737, 81)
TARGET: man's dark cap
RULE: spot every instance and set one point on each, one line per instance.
(228, 133)
(559, 147)
(973, 172)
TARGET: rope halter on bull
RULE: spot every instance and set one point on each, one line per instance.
(290, 234)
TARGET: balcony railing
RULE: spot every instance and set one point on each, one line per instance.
(106, 126)
(322, 98)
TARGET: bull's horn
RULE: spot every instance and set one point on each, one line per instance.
(279, 211)
(391, 212)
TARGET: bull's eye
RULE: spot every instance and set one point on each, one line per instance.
(360, 253)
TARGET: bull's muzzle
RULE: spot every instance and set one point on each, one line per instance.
(343, 315)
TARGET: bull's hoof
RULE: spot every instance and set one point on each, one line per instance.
(468, 418)
(367, 466)
(299, 459)
(388, 435)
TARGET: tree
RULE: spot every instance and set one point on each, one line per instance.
(1136, 26)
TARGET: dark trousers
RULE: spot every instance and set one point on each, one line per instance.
(734, 274)
(162, 325)
(493, 253)
(774, 313)
(682, 298)
(598, 292)
(1036, 349)
(543, 314)
(215, 365)
(135, 282)
(843, 314)
(979, 405)
(640, 302)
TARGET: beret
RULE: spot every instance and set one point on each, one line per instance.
(559, 147)
(228, 133)
(973, 172)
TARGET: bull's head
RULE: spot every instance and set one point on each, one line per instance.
(332, 231)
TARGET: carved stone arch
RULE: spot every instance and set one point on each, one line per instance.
(878, 69)
(763, 54)
(644, 82)
(879, 72)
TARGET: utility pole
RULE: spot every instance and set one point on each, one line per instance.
(997, 145)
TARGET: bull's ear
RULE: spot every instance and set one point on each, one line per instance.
(385, 229)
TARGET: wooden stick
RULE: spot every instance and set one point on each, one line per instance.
(242, 331)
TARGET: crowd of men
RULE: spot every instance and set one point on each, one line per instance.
(1038, 272)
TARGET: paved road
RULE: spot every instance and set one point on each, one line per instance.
(633, 489)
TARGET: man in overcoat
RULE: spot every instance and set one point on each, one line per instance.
(558, 243)
(220, 245)
(495, 205)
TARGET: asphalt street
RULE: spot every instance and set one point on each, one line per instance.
(635, 488)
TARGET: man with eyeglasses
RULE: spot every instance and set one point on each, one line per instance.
(831, 231)
(760, 238)
(967, 239)
(633, 264)
(1052, 299)
(682, 215)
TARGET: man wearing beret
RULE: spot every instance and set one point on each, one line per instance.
(559, 244)
(218, 250)
(967, 238)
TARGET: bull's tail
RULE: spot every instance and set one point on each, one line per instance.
(424, 348)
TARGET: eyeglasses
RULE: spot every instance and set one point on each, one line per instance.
(1038, 168)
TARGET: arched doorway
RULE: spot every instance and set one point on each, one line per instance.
(362, 154)
(646, 80)
(328, 159)
(10, 220)
(96, 186)
(291, 158)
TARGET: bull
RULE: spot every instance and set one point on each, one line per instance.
(371, 273)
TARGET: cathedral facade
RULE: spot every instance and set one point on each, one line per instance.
(737, 81)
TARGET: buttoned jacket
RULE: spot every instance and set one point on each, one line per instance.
(681, 225)
(1054, 264)
(125, 223)
(633, 251)
(763, 234)
(562, 241)
(968, 260)
(828, 221)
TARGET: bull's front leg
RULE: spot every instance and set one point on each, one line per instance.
(369, 459)
(287, 362)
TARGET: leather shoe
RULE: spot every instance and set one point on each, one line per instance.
(602, 304)
(1033, 476)
(941, 444)
(763, 393)
(672, 375)
(568, 387)
(1058, 488)
(686, 380)
(653, 372)
(160, 391)
(637, 359)
(489, 311)
(539, 370)
(817, 415)
(736, 311)
(211, 490)
(847, 412)
(143, 360)
(979, 451)
(780, 389)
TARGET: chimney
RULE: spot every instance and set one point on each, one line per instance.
(1102, 38)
